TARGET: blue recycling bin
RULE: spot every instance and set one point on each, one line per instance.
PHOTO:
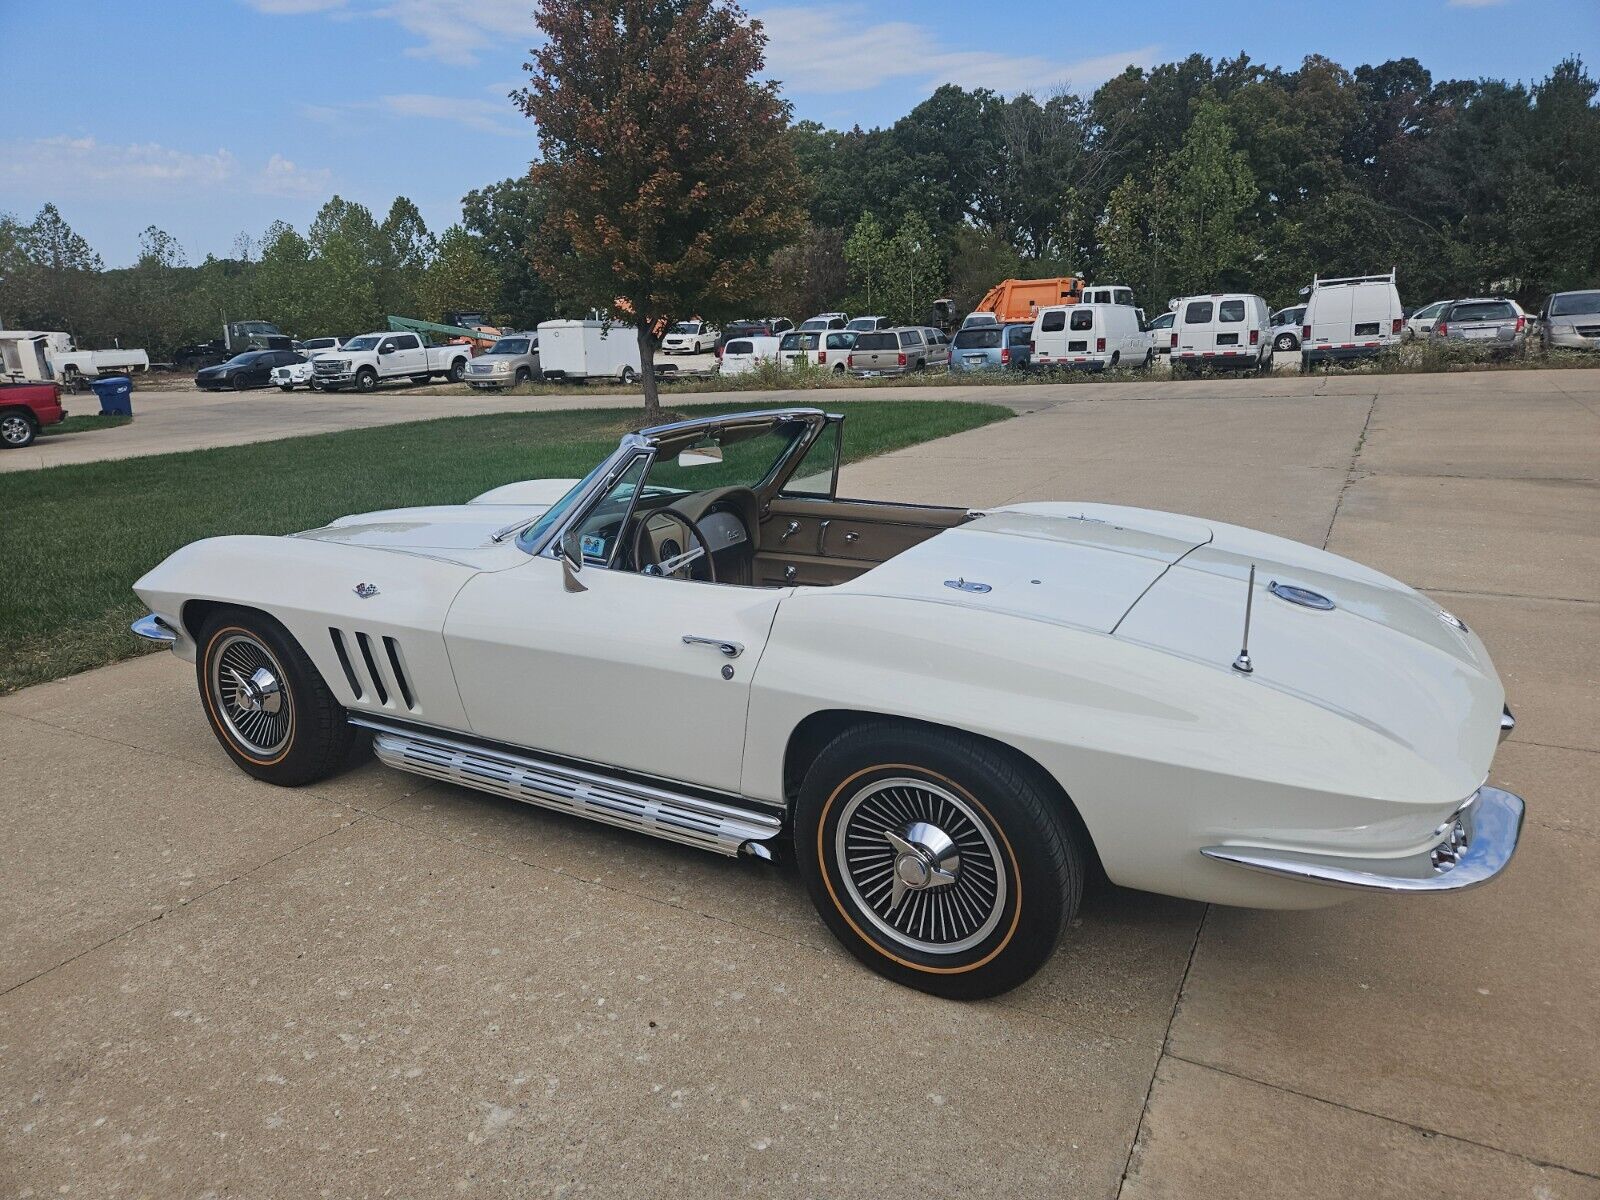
(116, 395)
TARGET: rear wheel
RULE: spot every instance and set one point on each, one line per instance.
(628, 375)
(1285, 342)
(17, 429)
(937, 860)
(266, 702)
(458, 370)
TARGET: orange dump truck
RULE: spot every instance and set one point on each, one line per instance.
(1020, 299)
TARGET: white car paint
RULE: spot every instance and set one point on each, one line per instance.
(689, 337)
(1351, 318)
(742, 355)
(588, 349)
(1420, 323)
(1103, 650)
(1231, 329)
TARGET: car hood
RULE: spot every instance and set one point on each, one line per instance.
(460, 533)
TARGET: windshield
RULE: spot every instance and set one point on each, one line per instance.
(686, 327)
(750, 453)
(552, 516)
(368, 342)
(244, 360)
(509, 346)
(861, 324)
(1575, 304)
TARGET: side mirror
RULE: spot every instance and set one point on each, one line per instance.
(571, 550)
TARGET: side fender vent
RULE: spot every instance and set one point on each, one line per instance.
(375, 668)
(404, 684)
(350, 675)
(373, 673)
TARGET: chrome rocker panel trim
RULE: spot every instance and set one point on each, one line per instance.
(656, 811)
(1493, 821)
(153, 628)
(1508, 722)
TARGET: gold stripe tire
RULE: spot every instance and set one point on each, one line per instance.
(306, 737)
(1015, 852)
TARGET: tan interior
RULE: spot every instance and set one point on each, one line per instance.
(821, 542)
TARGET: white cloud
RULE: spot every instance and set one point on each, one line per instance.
(836, 48)
(78, 166)
(281, 177)
(484, 115)
(456, 31)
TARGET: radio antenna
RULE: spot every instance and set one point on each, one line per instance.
(1242, 664)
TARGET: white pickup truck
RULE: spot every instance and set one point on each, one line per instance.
(373, 358)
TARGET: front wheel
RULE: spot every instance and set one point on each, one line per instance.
(266, 701)
(366, 380)
(937, 860)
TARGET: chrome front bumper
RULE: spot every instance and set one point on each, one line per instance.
(152, 628)
(1479, 841)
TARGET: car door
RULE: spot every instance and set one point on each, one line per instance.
(638, 672)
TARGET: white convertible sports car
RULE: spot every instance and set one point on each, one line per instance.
(951, 715)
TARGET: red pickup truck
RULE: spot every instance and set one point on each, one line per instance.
(26, 408)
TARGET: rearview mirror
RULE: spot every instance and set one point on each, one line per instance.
(699, 456)
(570, 548)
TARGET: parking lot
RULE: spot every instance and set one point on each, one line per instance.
(380, 986)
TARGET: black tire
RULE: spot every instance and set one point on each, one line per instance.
(286, 387)
(240, 383)
(1116, 359)
(1008, 826)
(522, 376)
(317, 737)
(366, 380)
(332, 387)
(458, 370)
(1286, 342)
(18, 429)
(839, 370)
(1149, 359)
(628, 375)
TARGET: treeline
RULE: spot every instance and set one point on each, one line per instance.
(1194, 176)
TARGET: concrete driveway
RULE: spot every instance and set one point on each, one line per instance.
(378, 986)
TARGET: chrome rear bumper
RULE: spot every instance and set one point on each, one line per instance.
(1481, 838)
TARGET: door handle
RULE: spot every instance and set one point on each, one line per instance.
(792, 528)
(726, 648)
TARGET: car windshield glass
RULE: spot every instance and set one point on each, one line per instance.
(978, 339)
(749, 455)
(686, 327)
(244, 360)
(553, 515)
(1493, 310)
(861, 324)
(1575, 304)
(362, 343)
(509, 346)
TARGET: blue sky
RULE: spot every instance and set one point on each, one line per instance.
(212, 117)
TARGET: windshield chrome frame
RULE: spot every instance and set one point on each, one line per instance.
(648, 442)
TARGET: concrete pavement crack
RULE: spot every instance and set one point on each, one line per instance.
(184, 904)
(1350, 473)
(1166, 1042)
(1425, 1130)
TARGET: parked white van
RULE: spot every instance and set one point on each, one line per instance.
(591, 349)
(1089, 337)
(744, 354)
(1098, 294)
(1352, 318)
(1230, 330)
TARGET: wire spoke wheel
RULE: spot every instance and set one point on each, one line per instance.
(249, 694)
(922, 865)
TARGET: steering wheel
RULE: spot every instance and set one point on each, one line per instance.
(647, 556)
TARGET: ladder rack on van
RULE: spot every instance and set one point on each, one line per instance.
(1317, 282)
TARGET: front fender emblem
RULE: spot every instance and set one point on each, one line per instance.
(364, 590)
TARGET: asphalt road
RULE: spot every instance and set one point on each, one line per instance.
(378, 986)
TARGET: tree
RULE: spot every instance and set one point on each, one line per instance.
(866, 257)
(669, 177)
(462, 276)
(507, 216)
(405, 248)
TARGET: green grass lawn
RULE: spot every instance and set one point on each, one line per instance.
(84, 424)
(75, 538)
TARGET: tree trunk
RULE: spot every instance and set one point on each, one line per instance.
(647, 372)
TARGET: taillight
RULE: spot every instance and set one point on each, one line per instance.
(849, 360)
(1005, 355)
(1099, 345)
(1174, 342)
(902, 360)
(822, 356)
(1394, 326)
(1255, 337)
(1030, 346)
(1520, 321)
(1305, 333)
(719, 351)
(1442, 329)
